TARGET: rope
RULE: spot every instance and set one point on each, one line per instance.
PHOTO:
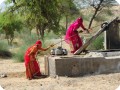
(64, 39)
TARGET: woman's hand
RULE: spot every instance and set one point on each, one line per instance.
(80, 31)
(75, 31)
(87, 30)
(51, 45)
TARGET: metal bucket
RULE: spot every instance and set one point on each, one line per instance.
(59, 51)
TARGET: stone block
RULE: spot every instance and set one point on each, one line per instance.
(78, 66)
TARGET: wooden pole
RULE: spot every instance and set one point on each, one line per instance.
(93, 38)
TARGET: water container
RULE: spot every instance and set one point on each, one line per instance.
(58, 51)
(52, 51)
(65, 52)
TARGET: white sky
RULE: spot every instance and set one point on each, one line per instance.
(1, 1)
(118, 1)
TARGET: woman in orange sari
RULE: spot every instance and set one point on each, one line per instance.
(31, 64)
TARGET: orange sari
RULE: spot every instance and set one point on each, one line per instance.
(31, 64)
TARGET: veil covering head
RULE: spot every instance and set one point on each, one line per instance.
(80, 19)
(38, 42)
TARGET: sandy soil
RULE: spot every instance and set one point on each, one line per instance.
(16, 79)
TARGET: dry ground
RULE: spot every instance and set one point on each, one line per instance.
(16, 79)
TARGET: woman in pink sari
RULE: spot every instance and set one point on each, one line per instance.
(72, 35)
(31, 64)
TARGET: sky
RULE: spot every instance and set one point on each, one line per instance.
(1, 1)
(118, 1)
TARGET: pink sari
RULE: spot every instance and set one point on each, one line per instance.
(73, 36)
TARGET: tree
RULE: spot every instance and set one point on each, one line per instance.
(8, 24)
(42, 15)
(97, 5)
(39, 13)
(68, 9)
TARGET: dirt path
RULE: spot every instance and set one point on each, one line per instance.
(16, 79)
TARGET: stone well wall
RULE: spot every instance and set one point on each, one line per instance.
(78, 66)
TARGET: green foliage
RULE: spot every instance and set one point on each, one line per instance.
(8, 24)
(19, 56)
(43, 15)
(104, 15)
(68, 8)
(4, 50)
(3, 46)
(86, 16)
(50, 35)
(29, 39)
(108, 12)
(39, 13)
(97, 44)
(10, 21)
(101, 18)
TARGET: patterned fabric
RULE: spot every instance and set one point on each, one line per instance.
(32, 66)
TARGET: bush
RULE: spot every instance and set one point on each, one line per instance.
(30, 39)
(50, 35)
(4, 46)
(97, 44)
(4, 50)
(19, 56)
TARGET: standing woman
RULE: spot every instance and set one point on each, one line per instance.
(31, 64)
(72, 35)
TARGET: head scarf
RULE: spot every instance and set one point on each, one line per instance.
(80, 19)
(38, 42)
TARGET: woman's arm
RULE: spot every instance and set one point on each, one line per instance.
(33, 49)
(44, 49)
(32, 53)
(82, 26)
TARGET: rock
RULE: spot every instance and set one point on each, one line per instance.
(94, 54)
(3, 75)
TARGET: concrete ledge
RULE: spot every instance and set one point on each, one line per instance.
(77, 66)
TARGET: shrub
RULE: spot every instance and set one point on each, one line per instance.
(19, 56)
(97, 44)
(4, 50)
(50, 35)
(4, 46)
